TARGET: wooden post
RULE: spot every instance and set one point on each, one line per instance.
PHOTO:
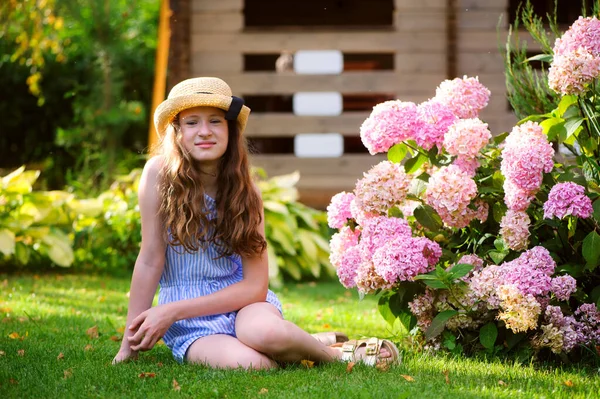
(160, 68)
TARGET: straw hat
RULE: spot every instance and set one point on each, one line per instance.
(198, 92)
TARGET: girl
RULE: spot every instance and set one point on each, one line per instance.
(203, 241)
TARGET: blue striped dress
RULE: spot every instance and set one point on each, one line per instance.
(190, 275)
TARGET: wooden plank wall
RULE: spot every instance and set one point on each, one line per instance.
(482, 31)
(418, 41)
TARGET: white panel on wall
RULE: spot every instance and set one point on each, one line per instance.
(318, 145)
(318, 62)
(326, 103)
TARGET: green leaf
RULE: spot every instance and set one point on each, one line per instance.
(395, 212)
(407, 320)
(59, 248)
(541, 57)
(565, 103)
(22, 253)
(417, 187)
(497, 256)
(572, 125)
(438, 323)
(435, 284)
(7, 242)
(397, 153)
(413, 164)
(596, 207)
(460, 270)
(272, 259)
(308, 245)
(499, 210)
(383, 305)
(276, 207)
(304, 215)
(428, 217)
(488, 335)
(591, 250)
(500, 138)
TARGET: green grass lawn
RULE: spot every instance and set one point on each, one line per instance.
(48, 350)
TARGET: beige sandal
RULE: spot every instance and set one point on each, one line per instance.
(372, 348)
(330, 337)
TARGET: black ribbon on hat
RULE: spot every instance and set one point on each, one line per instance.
(234, 108)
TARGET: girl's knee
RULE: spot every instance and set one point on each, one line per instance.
(271, 338)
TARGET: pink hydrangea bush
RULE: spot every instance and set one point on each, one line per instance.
(462, 229)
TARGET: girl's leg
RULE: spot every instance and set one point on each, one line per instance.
(224, 351)
(261, 327)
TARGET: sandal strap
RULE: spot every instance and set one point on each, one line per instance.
(373, 346)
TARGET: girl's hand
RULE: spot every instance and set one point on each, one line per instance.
(149, 327)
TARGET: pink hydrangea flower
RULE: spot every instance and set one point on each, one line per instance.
(584, 33)
(390, 122)
(466, 137)
(378, 231)
(405, 257)
(520, 312)
(514, 229)
(568, 199)
(341, 242)
(467, 165)
(563, 287)
(530, 273)
(450, 192)
(383, 186)
(571, 72)
(588, 326)
(348, 267)
(526, 155)
(368, 281)
(436, 119)
(338, 211)
(465, 97)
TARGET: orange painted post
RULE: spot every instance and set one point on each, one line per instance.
(160, 68)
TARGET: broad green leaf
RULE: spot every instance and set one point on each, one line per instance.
(397, 153)
(7, 242)
(413, 164)
(407, 320)
(272, 259)
(497, 256)
(435, 284)
(319, 241)
(276, 207)
(22, 253)
(428, 217)
(488, 335)
(438, 323)
(417, 187)
(86, 207)
(21, 182)
(305, 216)
(596, 207)
(460, 270)
(383, 305)
(308, 245)
(565, 103)
(293, 269)
(405, 293)
(59, 248)
(498, 211)
(591, 250)
(395, 212)
(572, 125)
(284, 240)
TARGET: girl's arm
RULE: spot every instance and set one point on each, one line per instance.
(150, 261)
(154, 322)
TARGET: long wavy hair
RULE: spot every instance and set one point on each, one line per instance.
(183, 208)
